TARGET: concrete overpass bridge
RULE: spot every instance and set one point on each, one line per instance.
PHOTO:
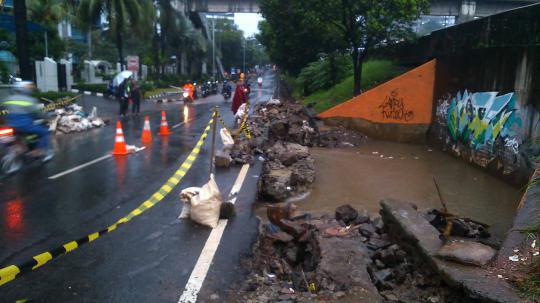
(462, 9)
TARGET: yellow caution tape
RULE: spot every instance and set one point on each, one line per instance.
(10, 272)
(51, 106)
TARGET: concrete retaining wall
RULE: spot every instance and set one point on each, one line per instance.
(400, 109)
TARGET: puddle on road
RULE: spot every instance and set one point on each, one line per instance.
(363, 176)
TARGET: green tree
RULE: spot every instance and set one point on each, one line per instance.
(229, 41)
(365, 24)
(293, 34)
(295, 28)
(48, 13)
(135, 15)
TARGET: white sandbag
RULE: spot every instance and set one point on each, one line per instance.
(205, 206)
(241, 112)
(226, 138)
(93, 115)
(185, 195)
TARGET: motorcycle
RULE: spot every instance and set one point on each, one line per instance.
(226, 94)
(16, 149)
(205, 91)
(186, 96)
(214, 87)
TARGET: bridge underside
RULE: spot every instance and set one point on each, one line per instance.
(223, 6)
(463, 9)
(477, 8)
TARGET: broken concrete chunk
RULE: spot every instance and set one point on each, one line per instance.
(222, 159)
(275, 183)
(467, 252)
(346, 213)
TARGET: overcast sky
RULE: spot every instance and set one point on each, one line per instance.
(248, 23)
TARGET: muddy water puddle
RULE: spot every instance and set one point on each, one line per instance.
(377, 170)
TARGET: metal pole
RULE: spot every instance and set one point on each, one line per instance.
(46, 45)
(244, 69)
(89, 43)
(213, 150)
(213, 48)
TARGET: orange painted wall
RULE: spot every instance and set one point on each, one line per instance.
(406, 99)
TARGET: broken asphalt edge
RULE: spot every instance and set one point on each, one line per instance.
(411, 230)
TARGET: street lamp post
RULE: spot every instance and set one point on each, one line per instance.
(244, 69)
(213, 48)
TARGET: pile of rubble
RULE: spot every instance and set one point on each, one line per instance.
(72, 118)
(345, 258)
(280, 133)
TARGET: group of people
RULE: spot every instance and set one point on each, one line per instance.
(129, 92)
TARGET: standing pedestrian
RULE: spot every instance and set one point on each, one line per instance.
(135, 95)
(122, 97)
(239, 97)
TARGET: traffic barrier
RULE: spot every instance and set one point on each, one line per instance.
(164, 127)
(120, 147)
(10, 272)
(146, 136)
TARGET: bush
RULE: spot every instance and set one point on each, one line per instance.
(324, 73)
(97, 88)
(53, 95)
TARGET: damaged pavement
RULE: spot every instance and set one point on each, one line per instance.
(350, 256)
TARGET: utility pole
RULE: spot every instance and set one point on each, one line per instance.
(244, 69)
(46, 44)
(213, 48)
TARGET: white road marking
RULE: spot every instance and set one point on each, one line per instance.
(181, 123)
(196, 280)
(69, 171)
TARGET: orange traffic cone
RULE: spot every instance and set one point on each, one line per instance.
(146, 136)
(164, 127)
(119, 142)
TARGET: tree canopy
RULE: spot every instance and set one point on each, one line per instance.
(296, 31)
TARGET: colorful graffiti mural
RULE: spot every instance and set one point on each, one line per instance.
(480, 118)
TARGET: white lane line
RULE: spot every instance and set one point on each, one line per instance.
(69, 171)
(181, 123)
(196, 280)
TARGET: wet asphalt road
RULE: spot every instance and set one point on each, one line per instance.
(147, 260)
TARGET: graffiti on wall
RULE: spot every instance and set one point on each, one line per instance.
(394, 108)
(478, 119)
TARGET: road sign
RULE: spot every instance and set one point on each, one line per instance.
(133, 63)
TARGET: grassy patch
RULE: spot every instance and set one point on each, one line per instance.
(158, 91)
(374, 72)
(530, 288)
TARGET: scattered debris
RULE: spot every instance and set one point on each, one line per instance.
(73, 119)
(460, 227)
(302, 259)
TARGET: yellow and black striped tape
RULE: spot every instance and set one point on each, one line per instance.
(244, 127)
(51, 106)
(11, 272)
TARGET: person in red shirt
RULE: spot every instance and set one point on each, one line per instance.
(240, 96)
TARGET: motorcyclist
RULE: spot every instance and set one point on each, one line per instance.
(23, 115)
(190, 88)
(226, 88)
